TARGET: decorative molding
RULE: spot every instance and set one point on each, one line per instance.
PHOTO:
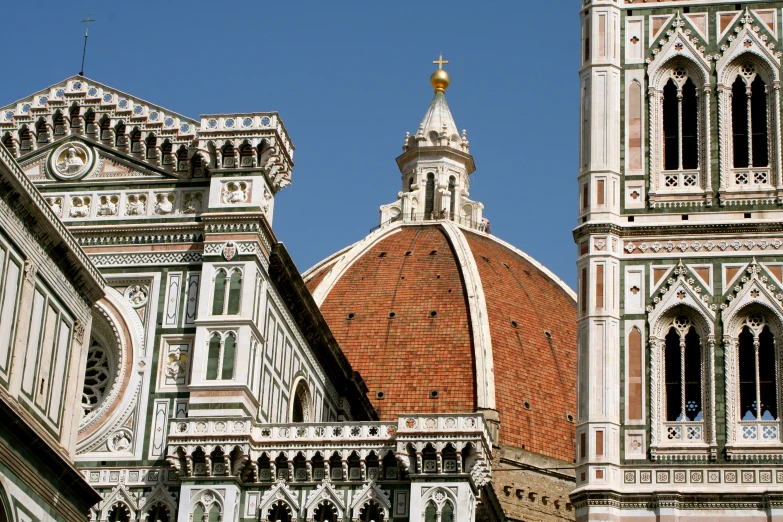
(153, 258)
(641, 247)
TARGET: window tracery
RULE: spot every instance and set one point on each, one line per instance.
(683, 383)
(748, 81)
(748, 127)
(679, 109)
(326, 512)
(439, 506)
(682, 394)
(103, 367)
(752, 374)
(157, 513)
(279, 512)
(371, 512)
(97, 378)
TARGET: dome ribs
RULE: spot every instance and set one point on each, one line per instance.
(529, 364)
(413, 353)
(315, 280)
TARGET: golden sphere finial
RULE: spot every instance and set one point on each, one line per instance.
(440, 79)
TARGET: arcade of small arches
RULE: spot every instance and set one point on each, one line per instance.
(315, 465)
(122, 512)
(326, 511)
(146, 145)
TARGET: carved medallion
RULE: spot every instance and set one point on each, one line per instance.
(71, 161)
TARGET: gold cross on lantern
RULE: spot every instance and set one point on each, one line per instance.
(441, 62)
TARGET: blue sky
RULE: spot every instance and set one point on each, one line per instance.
(349, 79)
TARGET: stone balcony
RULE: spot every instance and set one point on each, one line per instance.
(414, 445)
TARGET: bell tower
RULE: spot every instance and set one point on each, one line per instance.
(435, 166)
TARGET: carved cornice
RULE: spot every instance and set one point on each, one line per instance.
(49, 225)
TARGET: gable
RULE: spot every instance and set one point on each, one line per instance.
(149, 137)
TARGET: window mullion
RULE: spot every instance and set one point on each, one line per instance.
(220, 358)
(226, 292)
(758, 377)
(682, 378)
(750, 139)
(679, 127)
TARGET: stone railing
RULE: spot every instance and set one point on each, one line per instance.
(325, 432)
(421, 443)
(683, 432)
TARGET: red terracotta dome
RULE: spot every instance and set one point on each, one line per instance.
(439, 317)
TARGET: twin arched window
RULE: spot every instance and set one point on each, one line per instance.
(752, 395)
(228, 291)
(681, 142)
(432, 510)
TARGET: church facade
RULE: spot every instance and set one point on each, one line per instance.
(680, 286)
(214, 387)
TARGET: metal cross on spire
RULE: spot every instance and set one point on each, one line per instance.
(86, 33)
(441, 62)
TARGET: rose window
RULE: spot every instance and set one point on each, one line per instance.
(97, 378)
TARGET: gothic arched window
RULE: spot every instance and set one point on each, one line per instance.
(749, 120)
(300, 406)
(279, 512)
(447, 513)
(683, 373)
(371, 512)
(157, 513)
(221, 353)
(757, 381)
(234, 295)
(228, 356)
(213, 356)
(119, 513)
(429, 196)
(218, 301)
(431, 512)
(680, 123)
(679, 141)
(210, 514)
(325, 513)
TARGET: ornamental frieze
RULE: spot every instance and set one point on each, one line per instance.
(642, 247)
